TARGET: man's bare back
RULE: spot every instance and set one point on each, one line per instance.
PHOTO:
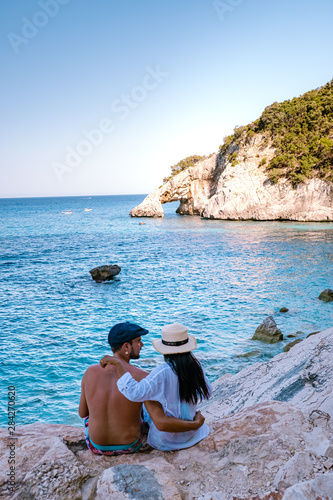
(113, 419)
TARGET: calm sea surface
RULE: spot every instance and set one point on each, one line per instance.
(221, 279)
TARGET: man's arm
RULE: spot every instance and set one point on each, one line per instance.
(83, 407)
(172, 424)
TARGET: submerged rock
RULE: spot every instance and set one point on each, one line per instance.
(291, 344)
(249, 354)
(295, 334)
(312, 333)
(326, 295)
(104, 273)
(268, 331)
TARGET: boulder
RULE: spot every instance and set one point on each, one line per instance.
(104, 273)
(268, 331)
(150, 207)
(326, 295)
(319, 488)
(291, 344)
(298, 468)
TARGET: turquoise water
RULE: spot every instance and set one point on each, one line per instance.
(220, 278)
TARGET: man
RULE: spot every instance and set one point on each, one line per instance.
(113, 423)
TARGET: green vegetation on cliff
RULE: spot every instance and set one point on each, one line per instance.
(183, 164)
(300, 130)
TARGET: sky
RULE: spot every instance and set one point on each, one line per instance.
(102, 97)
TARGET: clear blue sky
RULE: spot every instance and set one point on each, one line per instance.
(173, 77)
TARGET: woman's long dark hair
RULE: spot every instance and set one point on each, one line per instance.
(192, 383)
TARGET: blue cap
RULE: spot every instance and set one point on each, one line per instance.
(124, 332)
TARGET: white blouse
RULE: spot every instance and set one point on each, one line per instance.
(162, 385)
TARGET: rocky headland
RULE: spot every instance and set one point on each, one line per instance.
(278, 167)
(271, 439)
(215, 188)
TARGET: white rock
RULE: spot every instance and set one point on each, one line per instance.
(254, 442)
(287, 377)
(319, 488)
(215, 189)
(141, 482)
(328, 464)
(297, 469)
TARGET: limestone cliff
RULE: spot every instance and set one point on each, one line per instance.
(221, 188)
(271, 439)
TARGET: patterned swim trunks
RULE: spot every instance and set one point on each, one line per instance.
(112, 451)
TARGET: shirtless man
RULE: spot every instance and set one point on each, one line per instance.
(109, 416)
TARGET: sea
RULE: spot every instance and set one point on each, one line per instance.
(219, 278)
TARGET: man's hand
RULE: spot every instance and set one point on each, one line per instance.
(199, 419)
(109, 360)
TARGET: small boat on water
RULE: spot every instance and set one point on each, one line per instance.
(88, 209)
(67, 212)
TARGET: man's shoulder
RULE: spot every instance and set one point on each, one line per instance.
(92, 369)
(95, 367)
(137, 373)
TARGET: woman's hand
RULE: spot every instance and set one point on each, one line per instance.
(199, 419)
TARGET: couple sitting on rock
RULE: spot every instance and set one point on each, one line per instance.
(113, 392)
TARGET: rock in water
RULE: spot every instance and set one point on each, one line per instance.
(312, 333)
(150, 207)
(326, 295)
(284, 310)
(291, 344)
(249, 354)
(268, 331)
(104, 273)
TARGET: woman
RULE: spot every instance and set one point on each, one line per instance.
(178, 385)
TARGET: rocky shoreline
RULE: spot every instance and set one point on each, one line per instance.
(217, 188)
(271, 439)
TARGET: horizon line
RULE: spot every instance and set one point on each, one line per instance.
(69, 196)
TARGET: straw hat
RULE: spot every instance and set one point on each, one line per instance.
(175, 339)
